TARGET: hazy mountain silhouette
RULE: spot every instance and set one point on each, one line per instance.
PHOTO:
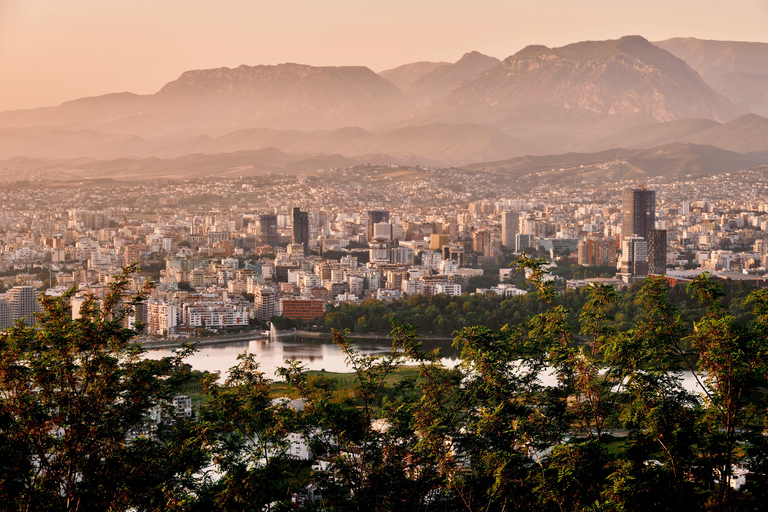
(671, 160)
(713, 59)
(747, 89)
(736, 69)
(446, 144)
(667, 161)
(586, 96)
(403, 76)
(581, 91)
(745, 134)
(216, 101)
(441, 80)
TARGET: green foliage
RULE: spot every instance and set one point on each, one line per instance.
(557, 410)
(443, 315)
(72, 393)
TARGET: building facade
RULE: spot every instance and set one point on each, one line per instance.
(639, 212)
(510, 224)
(657, 251)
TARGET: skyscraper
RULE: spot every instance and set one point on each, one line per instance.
(268, 230)
(375, 217)
(523, 241)
(23, 303)
(597, 251)
(634, 257)
(510, 222)
(657, 251)
(300, 234)
(265, 304)
(639, 212)
(481, 242)
(6, 313)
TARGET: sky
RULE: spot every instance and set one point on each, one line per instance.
(57, 50)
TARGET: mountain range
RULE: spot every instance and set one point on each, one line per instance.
(737, 70)
(588, 97)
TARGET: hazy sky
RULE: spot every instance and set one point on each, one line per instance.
(56, 50)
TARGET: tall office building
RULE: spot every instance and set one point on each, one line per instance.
(265, 304)
(23, 303)
(634, 257)
(597, 251)
(375, 217)
(639, 212)
(481, 242)
(523, 241)
(657, 251)
(300, 234)
(268, 230)
(510, 223)
(6, 313)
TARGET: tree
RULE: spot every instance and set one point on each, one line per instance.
(74, 397)
(733, 358)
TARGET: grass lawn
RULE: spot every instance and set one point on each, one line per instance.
(346, 382)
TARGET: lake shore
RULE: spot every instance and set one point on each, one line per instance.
(257, 335)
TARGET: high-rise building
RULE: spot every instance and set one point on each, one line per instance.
(265, 304)
(132, 254)
(634, 257)
(401, 255)
(268, 230)
(528, 225)
(510, 223)
(438, 241)
(23, 303)
(481, 242)
(375, 217)
(300, 234)
(161, 317)
(6, 313)
(657, 251)
(639, 212)
(523, 241)
(597, 251)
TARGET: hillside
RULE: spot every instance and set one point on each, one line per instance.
(745, 134)
(582, 91)
(403, 76)
(736, 69)
(713, 59)
(747, 89)
(654, 134)
(447, 144)
(668, 161)
(585, 96)
(216, 101)
(441, 80)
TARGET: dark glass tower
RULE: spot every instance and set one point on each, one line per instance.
(300, 234)
(268, 230)
(657, 251)
(639, 212)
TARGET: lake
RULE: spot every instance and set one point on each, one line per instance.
(317, 354)
(314, 353)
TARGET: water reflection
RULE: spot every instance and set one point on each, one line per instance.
(323, 354)
(314, 353)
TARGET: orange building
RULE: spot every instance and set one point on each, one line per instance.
(306, 309)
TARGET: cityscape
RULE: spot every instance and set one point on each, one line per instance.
(230, 251)
(403, 256)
